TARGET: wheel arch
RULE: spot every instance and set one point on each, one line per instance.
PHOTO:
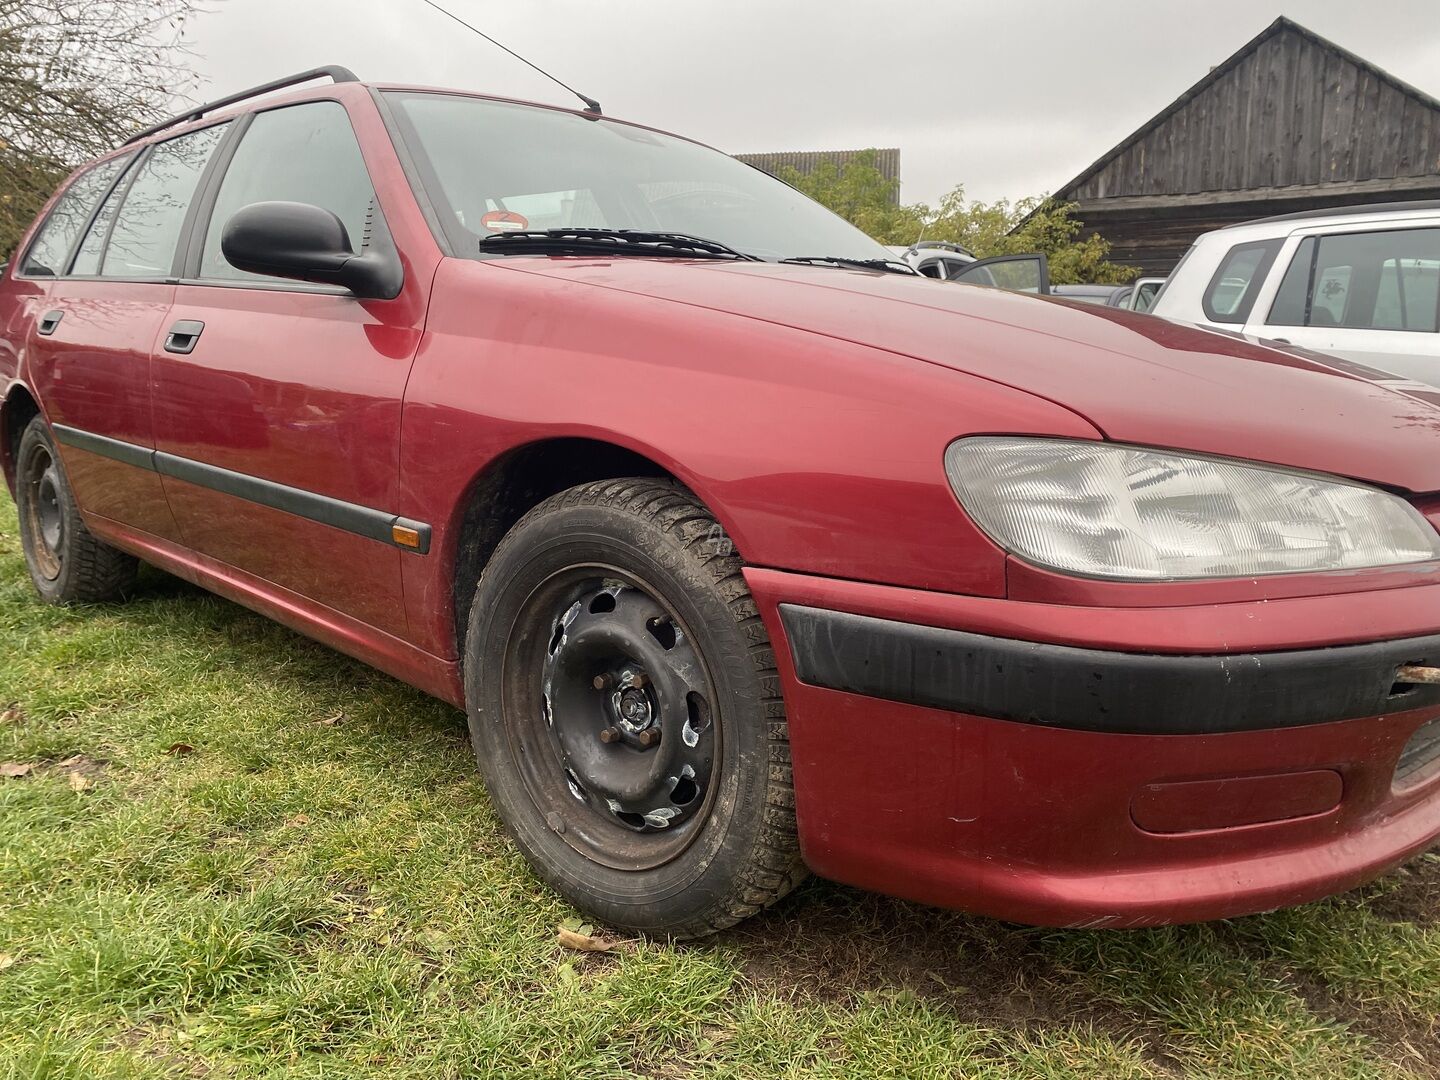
(521, 478)
(16, 412)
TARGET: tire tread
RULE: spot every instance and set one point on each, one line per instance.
(773, 866)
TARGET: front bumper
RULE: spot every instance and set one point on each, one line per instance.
(1204, 763)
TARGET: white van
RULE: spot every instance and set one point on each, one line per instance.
(1362, 283)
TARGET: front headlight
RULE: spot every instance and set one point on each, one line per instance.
(1125, 512)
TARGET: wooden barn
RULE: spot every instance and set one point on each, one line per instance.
(1290, 122)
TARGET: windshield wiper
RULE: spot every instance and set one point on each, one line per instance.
(890, 266)
(609, 242)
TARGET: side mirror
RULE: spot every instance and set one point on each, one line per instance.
(306, 243)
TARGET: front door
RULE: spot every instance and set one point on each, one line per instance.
(277, 405)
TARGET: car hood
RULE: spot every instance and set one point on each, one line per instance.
(1137, 378)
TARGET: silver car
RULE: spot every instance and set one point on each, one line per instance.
(1361, 283)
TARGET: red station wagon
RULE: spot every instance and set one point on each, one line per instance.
(746, 549)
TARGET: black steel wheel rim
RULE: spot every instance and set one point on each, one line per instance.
(45, 518)
(610, 712)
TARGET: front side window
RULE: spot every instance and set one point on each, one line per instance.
(148, 225)
(301, 153)
(1231, 292)
(50, 252)
(1387, 280)
(495, 166)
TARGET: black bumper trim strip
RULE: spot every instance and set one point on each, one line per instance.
(350, 517)
(1095, 690)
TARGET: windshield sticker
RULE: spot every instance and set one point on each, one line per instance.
(504, 221)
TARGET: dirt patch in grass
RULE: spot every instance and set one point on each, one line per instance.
(151, 1044)
(1416, 899)
(1409, 1040)
(834, 944)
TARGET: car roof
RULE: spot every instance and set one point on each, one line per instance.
(1353, 211)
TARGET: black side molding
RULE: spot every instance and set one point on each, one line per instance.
(350, 517)
(139, 456)
(1096, 690)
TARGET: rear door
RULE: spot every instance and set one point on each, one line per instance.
(277, 404)
(1368, 293)
(108, 299)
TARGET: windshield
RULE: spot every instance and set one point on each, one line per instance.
(498, 167)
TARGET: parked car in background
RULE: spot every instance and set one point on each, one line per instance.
(1361, 283)
(745, 548)
(1135, 296)
(1099, 295)
(1028, 273)
(1143, 292)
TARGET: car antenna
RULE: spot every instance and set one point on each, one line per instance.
(591, 105)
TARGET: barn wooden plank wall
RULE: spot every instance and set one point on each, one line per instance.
(1290, 112)
(1289, 122)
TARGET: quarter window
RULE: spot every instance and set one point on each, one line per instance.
(87, 259)
(302, 153)
(1231, 292)
(148, 226)
(50, 252)
(1387, 280)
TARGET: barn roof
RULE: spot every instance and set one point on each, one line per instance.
(1284, 46)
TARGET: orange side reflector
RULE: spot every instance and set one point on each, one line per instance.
(405, 537)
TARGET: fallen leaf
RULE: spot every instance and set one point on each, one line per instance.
(333, 721)
(570, 939)
(71, 761)
(16, 769)
(80, 782)
(12, 714)
(298, 821)
(179, 749)
(6, 961)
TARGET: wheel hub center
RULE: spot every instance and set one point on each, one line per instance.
(633, 707)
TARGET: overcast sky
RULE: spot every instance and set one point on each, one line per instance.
(1008, 97)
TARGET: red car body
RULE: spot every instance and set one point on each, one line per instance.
(809, 408)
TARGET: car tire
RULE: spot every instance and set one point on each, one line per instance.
(67, 564)
(611, 612)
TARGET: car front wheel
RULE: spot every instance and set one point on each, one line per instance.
(625, 711)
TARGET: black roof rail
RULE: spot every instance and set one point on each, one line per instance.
(329, 71)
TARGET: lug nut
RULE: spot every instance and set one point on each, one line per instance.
(649, 737)
(638, 680)
(603, 681)
(610, 735)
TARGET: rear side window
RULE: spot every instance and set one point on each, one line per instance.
(1388, 280)
(303, 153)
(147, 228)
(87, 259)
(50, 252)
(1231, 292)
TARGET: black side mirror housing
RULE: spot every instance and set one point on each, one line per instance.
(307, 243)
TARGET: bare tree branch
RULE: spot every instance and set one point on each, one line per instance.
(77, 77)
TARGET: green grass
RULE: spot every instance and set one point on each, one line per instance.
(300, 900)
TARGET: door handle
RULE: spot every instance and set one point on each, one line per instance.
(183, 336)
(49, 322)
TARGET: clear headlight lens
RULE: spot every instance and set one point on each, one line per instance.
(1108, 511)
